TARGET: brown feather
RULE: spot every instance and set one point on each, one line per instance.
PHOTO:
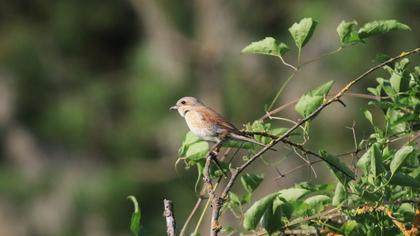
(213, 117)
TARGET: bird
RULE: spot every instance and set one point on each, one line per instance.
(207, 124)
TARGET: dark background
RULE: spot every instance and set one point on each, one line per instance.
(85, 88)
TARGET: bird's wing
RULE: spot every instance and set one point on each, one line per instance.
(215, 118)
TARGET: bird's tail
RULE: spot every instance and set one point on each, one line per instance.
(246, 138)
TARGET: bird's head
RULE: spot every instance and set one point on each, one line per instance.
(185, 104)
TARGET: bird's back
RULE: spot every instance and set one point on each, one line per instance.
(205, 122)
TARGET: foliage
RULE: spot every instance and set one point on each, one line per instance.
(388, 186)
(380, 200)
(135, 217)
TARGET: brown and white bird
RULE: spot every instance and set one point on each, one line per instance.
(207, 124)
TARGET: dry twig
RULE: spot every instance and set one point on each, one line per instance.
(170, 218)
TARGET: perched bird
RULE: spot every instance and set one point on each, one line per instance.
(207, 124)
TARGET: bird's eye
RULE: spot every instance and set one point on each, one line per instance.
(182, 102)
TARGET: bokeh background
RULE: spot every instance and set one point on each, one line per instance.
(85, 88)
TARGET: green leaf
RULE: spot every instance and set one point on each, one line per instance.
(399, 158)
(250, 182)
(340, 170)
(404, 180)
(278, 131)
(371, 162)
(316, 203)
(368, 116)
(271, 220)
(376, 162)
(339, 194)
(311, 100)
(268, 46)
(292, 194)
(415, 173)
(407, 211)
(395, 81)
(227, 229)
(246, 198)
(189, 139)
(323, 89)
(254, 214)
(302, 31)
(234, 200)
(352, 228)
(380, 27)
(135, 217)
(197, 151)
(347, 33)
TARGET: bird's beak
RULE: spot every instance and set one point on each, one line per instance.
(173, 107)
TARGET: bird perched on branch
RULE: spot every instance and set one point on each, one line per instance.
(207, 124)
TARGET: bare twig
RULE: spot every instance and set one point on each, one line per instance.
(356, 149)
(170, 218)
(305, 159)
(284, 174)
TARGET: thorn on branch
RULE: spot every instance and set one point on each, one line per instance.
(341, 102)
(279, 173)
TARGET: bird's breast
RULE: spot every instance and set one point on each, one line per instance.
(200, 126)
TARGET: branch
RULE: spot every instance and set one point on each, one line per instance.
(240, 169)
(286, 105)
(201, 194)
(170, 218)
(216, 201)
(328, 214)
(281, 175)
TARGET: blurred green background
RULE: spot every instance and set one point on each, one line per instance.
(85, 88)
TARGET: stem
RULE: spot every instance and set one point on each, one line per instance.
(287, 64)
(298, 57)
(202, 216)
(187, 222)
(337, 230)
(320, 57)
(283, 86)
